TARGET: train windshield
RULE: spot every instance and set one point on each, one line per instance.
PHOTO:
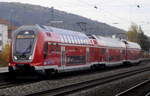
(24, 42)
(24, 45)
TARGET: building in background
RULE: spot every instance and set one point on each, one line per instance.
(6, 29)
(11, 27)
(3, 35)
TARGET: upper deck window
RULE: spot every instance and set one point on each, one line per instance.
(65, 38)
(72, 39)
(68, 38)
(62, 39)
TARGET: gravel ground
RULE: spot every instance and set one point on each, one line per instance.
(50, 84)
(111, 89)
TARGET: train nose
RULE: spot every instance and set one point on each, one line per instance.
(24, 68)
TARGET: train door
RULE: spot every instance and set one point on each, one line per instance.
(87, 55)
(54, 54)
(63, 57)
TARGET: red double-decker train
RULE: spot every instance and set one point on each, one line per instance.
(49, 50)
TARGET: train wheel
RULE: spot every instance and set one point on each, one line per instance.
(12, 75)
(51, 74)
(97, 67)
(127, 63)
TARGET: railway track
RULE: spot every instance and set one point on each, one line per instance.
(6, 82)
(69, 89)
(141, 89)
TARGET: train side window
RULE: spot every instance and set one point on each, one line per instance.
(62, 39)
(69, 40)
(123, 51)
(45, 49)
(86, 41)
(65, 37)
(75, 39)
(103, 51)
(79, 40)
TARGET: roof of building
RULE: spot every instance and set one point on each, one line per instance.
(6, 22)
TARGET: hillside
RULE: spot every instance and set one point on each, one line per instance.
(21, 14)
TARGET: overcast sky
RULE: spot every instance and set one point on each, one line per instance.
(119, 13)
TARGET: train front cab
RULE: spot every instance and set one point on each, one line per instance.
(26, 53)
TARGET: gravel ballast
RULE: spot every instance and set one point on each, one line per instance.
(50, 84)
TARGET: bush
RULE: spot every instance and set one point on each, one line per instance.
(4, 56)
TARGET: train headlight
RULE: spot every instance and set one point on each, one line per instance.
(30, 57)
(15, 58)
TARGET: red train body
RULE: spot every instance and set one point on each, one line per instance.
(54, 49)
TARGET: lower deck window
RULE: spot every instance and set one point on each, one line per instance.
(76, 59)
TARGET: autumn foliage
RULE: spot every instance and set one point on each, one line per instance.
(136, 34)
(4, 55)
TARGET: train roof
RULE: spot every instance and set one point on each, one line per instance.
(110, 42)
(60, 35)
(69, 36)
(133, 45)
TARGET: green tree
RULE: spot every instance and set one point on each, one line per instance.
(133, 33)
(4, 59)
(136, 34)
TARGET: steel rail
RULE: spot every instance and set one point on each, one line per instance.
(134, 89)
(6, 84)
(6, 81)
(68, 89)
(148, 94)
